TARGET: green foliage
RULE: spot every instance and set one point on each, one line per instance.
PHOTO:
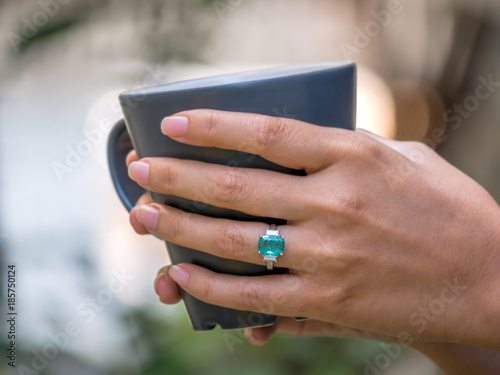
(46, 32)
(176, 349)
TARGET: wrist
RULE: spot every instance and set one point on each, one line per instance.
(487, 307)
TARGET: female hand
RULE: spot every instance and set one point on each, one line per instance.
(381, 236)
(168, 292)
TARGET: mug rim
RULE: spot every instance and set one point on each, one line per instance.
(239, 78)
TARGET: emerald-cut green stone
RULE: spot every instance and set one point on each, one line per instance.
(271, 245)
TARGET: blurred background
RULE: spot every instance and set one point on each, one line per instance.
(424, 68)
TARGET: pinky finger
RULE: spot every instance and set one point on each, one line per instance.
(270, 294)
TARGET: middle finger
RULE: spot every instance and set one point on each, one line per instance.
(253, 191)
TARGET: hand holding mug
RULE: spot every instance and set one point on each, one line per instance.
(382, 236)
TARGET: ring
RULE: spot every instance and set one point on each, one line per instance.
(271, 246)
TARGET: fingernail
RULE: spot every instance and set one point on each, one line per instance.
(139, 172)
(174, 126)
(179, 275)
(148, 216)
(162, 271)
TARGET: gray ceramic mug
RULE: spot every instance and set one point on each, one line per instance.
(321, 94)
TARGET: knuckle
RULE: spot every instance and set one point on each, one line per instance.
(370, 152)
(269, 131)
(251, 294)
(211, 123)
(205, 291)
(231, 241)
(345, 205)
(230, 184)
(418, 151)
(167, 176)
(340, 296)
(349, 204)
(174, 228)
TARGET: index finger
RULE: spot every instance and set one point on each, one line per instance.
(287, 142)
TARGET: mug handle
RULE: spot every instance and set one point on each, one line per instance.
(119, 145)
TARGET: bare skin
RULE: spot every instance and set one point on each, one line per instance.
(384, 239)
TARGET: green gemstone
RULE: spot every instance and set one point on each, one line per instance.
(271, 245)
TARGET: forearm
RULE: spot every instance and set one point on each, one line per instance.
(485, 331)
(459, 359)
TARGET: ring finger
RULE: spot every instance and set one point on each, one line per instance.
(220, 237)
